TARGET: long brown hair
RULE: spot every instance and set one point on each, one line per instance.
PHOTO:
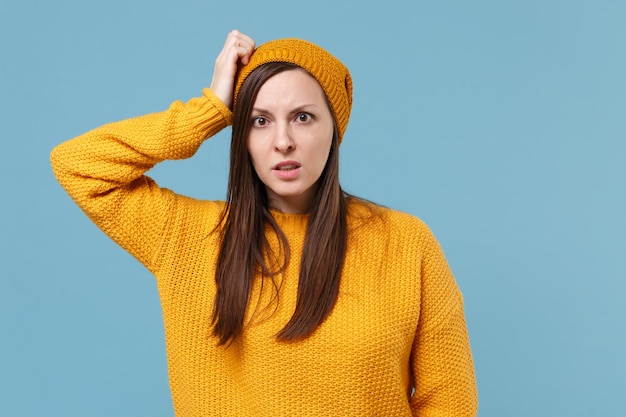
(245, 246)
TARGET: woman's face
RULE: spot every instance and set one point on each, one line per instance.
(290, 138)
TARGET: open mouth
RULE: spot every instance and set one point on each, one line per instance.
(287, 166)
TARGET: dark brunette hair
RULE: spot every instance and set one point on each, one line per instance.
(245, 246)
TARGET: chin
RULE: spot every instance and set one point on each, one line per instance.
(291, 195)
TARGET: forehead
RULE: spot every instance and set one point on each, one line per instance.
(291, 86)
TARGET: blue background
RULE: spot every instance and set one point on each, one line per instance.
(500, 123)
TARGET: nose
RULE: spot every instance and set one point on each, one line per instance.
(283, 139)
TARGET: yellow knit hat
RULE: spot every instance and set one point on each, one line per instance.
(332, 75)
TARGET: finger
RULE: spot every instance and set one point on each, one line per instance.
(246, 41)
(238, 36)
(237, 49)
(242, 43)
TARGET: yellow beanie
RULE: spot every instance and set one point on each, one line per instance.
(332, 75)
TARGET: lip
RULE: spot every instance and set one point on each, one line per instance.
(287, 170)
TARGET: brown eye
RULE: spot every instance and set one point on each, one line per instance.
(259, 121)
(304, 117)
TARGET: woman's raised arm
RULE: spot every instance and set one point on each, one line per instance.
(103, 170)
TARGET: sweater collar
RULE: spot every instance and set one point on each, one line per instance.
(290, 223)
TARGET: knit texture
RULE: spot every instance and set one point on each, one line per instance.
(398, 324)
(332, 75)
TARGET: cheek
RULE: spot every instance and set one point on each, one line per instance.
(257, 146)
(322, 154)
(253, 152)
(329, 142)
(254, 159)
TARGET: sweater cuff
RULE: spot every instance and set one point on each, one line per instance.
(226, 113)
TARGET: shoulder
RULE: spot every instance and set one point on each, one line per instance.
(365, 214)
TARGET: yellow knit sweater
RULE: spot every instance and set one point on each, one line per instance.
(397, 328)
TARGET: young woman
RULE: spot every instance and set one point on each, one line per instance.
(290, 298)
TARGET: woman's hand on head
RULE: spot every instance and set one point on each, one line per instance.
(237, 49)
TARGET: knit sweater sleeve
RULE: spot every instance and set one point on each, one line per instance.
(103, 170)
(442, 362)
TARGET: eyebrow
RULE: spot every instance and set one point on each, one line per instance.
(298, 109)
